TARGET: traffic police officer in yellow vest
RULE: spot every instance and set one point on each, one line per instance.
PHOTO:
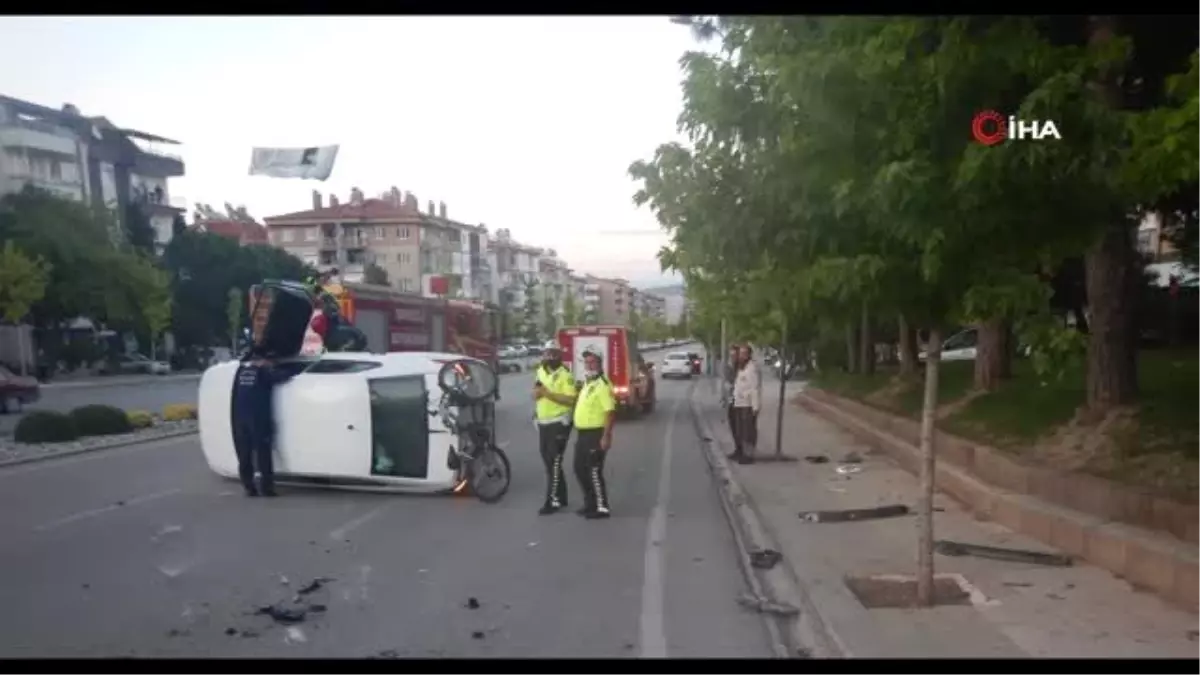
(554, 393)
(594, 415)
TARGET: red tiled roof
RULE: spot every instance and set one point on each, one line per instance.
(370, 209)
(243, 232)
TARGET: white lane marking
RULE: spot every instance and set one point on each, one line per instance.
(92, 513)
(653, 620)
(341, 532)
(72, 460)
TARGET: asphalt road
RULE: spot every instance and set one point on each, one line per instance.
(141, 551)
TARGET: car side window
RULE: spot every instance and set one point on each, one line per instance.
(338, 367)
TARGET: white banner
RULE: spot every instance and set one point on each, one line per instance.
(314, 163)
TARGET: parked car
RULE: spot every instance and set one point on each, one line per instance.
(132, 364)
(17, 391)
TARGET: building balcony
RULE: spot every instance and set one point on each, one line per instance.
(354, 241)
(37, 135)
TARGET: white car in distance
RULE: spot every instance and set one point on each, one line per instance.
(677, 364)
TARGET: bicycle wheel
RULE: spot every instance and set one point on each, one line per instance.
(489, 475)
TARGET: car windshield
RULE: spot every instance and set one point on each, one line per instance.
(677, 356)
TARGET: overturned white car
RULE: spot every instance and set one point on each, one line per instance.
(400, 422)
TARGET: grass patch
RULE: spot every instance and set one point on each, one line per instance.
(1155, 448)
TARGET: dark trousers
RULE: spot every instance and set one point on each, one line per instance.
(552, 442)
(253, 452)
(733, 432)
(745, 430)
(589, 468)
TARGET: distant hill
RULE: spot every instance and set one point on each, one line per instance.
(674, 290)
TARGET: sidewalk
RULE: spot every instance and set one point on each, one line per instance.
(1016, 609)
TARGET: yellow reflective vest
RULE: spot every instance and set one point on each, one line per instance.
(559, 382)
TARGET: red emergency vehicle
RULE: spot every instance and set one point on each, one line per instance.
(632, 381)
(406, 322)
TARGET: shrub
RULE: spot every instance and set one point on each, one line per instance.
(177, 412)
(45, 426)
(100, 420)
(140, 419)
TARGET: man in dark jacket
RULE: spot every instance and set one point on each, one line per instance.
(254, 420)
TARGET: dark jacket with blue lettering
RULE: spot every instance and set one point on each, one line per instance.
(252, 389)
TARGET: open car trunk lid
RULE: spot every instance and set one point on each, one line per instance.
(280, 315)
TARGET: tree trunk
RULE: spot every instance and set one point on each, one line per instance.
(1112, 275)
(993, 358)
(933, 357)
(20, 346)
(1112, 278)
(908, 347)
(866, 343)
(851, 348)
(783, 372)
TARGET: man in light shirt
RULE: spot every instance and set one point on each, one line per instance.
(747, 400)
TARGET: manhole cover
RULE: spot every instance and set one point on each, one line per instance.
(879, 592)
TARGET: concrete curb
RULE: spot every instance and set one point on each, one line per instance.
(97, 448)
(120, 381)
(805, 635)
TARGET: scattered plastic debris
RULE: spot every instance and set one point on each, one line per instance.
(850, 515)
(477, 635)
(284, 615)
(764, 606)
(852, 458)
(422, 571)
(295, 635)
(816, 459)
(532, 544)
(231, 631)
(847, 469)
(765, 559)
(283, 581)
(472, 603)
(957, 548)
(314, 585)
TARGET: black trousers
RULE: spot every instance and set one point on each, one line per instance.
(589, 468)
(733, 431)
(552, 443)
(253, 452)
(745, 430)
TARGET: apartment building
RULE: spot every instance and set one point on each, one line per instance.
(89, 159)
(651, 305)
(513, 266)
(391, 232)
(351, 235)
(1152, 242)
(235, 223)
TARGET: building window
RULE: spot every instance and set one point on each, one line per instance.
(289, 235)
(402, 233)
(310, 234)
(379, 233)
(404, 258)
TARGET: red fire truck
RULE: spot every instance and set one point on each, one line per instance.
(405, 322)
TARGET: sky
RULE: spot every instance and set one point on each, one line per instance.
(528, 123)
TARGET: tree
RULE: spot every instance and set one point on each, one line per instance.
(570, 310)
(234, 306)
(374, 274)
(156, 304)
(549, 316)
(529, 310)
(178, 225)
(137, 230)
(23, 283)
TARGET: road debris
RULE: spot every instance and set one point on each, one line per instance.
(816, 459)
(284, 615)
(477, 635)
(764, 606)
(249, 634)
(1018, 584)
(765, 559)
(314, 585)
(472, 603)
(178, 632)
(231, 631)
(283, 581)
(851, 515)
(852, 458)
(847, 469)
(294, 635)
(957, 548)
